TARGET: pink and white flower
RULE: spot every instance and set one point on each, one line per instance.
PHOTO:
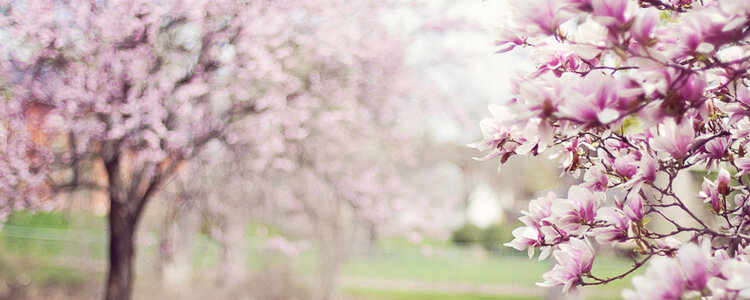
(612, 226)
(714, 150)
(695, 265)
(710, 194)
(714, 192)
(596, 179)
(579, 209)
(663, 281)
(573, 259)
(633, 207)
(738, 277)
(673, 138)
(536, 221)
(643, 26)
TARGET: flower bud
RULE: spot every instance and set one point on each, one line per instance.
(722, 182)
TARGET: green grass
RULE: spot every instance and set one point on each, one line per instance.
(35, 255)
(38, 254)
(47, 220)
(370, 294)
(374, 294)
(453, 268)
(490, 270)
(463, 266)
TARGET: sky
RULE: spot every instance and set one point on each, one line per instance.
(472, 77)
(480, 78)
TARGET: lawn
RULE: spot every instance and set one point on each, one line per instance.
(49, 254)
(410, 295)
(449, 263)
(456, 265)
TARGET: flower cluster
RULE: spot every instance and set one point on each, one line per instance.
(631, 94)
(694, 271)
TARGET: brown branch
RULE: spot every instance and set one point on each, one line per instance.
(600, 281)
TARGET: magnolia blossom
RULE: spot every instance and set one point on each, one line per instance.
(715, 192)
(710, 194)
(740, 109)
(723, 181)
(633, 94)
(643, 26)
(556, 57)
(574, 259)
(596, 179)
(526, 237)
(543, 15)
(738, 273)
(613, 227)
(498, 138)
(625, 166)
(580, 208)
(714, 150)
(663, 281)
(646, 173)
(743, 164)
(507, 38)
(695, 266)
(696, 270)
(535, 219)
(674, 139)
(634, 207)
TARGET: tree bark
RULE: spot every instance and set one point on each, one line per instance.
(332, 255)
(122, 225)
(235, 249)
(178, 237)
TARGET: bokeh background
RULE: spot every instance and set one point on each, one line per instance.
(435, 231)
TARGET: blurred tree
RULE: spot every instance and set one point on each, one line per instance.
(133, 90)
(467, 235)
(495, 235)
(316, 181)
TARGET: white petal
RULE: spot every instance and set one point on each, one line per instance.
(607, 115)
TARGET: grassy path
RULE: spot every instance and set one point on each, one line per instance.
(403, 285)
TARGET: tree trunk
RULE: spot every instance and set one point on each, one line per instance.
(122, 224)
(330, 263)
(178, 239)
(234, 267)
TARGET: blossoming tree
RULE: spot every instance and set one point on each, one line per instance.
(302, 173)
(135, 89)
(630, 94)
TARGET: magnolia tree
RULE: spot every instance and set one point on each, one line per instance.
(216, 191)
(630, 94)
(314, 182)
(135, 89)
